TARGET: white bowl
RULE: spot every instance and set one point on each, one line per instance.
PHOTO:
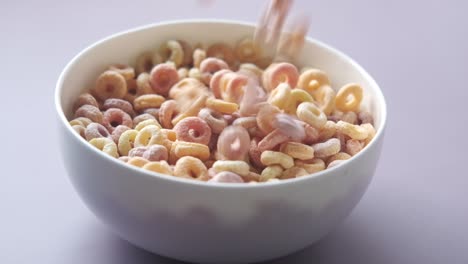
(200, 222)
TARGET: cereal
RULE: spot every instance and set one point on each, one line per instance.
(110, 84)
(269, 157)
(120, 104)
(353, 131)
(146, 61)
(342, 101)
(271, 172)
(167, 111)
(237, 166)
(118, 131)
(221, 51)
(85, 99)
(106, 145)
(126, 71)
(162, 77)
(297, 150)
(278, 73)
(311, 114)
(234, 143)
(209, 66)
(158, 167)
(214, 120)
(221, 105)
(91, 112)
(242, 115)
(145, 101)
(327, 148)
(190, 167)
(193, 129)
(312, 79)
(95, 130)
(126, 141)
(182, 149)
(227, 177)
(114, 117)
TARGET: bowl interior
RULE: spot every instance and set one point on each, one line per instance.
(124, 47)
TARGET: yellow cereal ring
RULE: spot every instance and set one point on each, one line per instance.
(350, 90)
(137, 161)
(293, 172)
(126, 141)
(325, 96)
(147, 122)
(280, 96)
(145, 101)
(269, 157)
(297, 97)
(159, 167)
(338, 156)
(239, 167)
(370, 132)
(353, 131)
(327, 131)
(106, 145)
(221, 105)
(311, 166)
(190, 167)
(81, 121)
(311, 114)
(173, 51)
(297, 150)
(271, 172)
(311, 80)
(197, 150)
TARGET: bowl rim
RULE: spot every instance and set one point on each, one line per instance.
(176, 180)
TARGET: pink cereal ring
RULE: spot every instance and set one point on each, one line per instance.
(255, 154)
(167, 111)
(137, 151)
(251, 101)
(287, 125)
(227, 177)
(272, 140)
(193, 129)
(214, 119)
(155, 153)
(234, 143)
(235, 87)
(114, 117)
(266, 117)
(95, 130)
(118, 132)
(85, 99)
(162, 77)
(120, 104)
(278, 73)
(209, 66)
(216, 82)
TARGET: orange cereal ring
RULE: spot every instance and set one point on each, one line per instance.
(266, 117)
(214, 119)
(349, 98)
(159, 167)
(167, 111)
(162, 78)
(209, 66)
(110, 84)
(91, 112)
(85, 99)
(278, 73)
(137, 161)
(193, 129)
(216, 82)
(272, 140)
(114, 117)
(222, 51)
(234, 143)
(126, 71)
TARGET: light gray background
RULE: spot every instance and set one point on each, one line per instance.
(415, 210)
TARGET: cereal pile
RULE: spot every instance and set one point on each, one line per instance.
(222, 114)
